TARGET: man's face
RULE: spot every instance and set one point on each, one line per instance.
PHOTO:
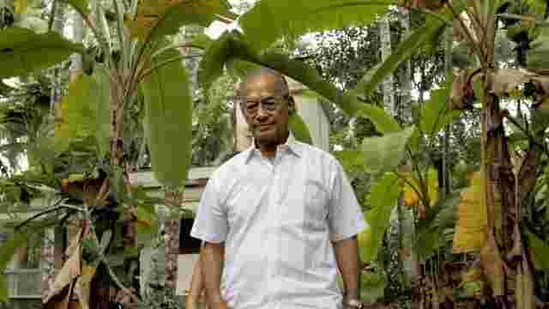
(265, 108)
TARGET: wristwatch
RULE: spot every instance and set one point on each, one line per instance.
(354, 303)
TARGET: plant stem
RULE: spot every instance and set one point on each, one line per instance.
(466, 31)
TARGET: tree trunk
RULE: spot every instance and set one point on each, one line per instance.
(499, 188)
(387, 85)
(77, 37)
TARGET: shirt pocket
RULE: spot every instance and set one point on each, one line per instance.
(315, 204)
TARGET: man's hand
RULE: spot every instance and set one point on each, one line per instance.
(222, 305)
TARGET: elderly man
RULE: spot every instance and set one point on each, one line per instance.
(279, 219)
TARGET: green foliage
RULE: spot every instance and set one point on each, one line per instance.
(539, 251)
(232, 46)
(405, 50)
(372, 285)
(435, 114)
(382, 199)
(168, 116)
(212, 123)
(294, 18)
(86, 110)
(157, 18)
(436, 229)
(299, 129)
(539, 49)
(384, 153)
(383, 122)
(22, 51)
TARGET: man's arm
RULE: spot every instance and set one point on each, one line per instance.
(346, 254)
(197, 287)
(212, 265)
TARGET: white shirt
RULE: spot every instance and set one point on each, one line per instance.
(277, 219)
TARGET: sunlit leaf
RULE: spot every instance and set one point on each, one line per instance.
(382, 199)
(288, 18)
(472, 218)
(85, 110)
(412, 183)
(156, 18)
(168, 120)
(300, 129)
(23, 51)
(384, 153)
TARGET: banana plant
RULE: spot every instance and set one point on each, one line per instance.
(140, 67)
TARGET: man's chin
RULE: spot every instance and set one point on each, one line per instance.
(264, 137)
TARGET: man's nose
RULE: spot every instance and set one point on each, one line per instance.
(261, 112)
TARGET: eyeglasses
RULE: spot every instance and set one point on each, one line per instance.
(269, 104)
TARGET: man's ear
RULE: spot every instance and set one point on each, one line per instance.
(291, 105)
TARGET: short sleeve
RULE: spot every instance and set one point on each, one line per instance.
(210, 222)
(345, 218)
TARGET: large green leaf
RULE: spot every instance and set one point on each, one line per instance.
(383, 122)
(382, 199)
(384, 153)
(232, 48)
(300, 129)
(156, 18)
(23, 51)
(351, 160)
(269, 20)
(168, 115)
(435, 113)
(86, 110)
(539, 250)
(405, 50)
(437, 226)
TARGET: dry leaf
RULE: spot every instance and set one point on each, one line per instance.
(472, 218)
(69, 272)
(505, 80)
(462, 95)
(492, 265)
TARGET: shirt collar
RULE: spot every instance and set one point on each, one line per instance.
(291, 145)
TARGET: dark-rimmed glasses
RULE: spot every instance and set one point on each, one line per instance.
(270, 104)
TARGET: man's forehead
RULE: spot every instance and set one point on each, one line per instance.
(260, 83)
(263, 84)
